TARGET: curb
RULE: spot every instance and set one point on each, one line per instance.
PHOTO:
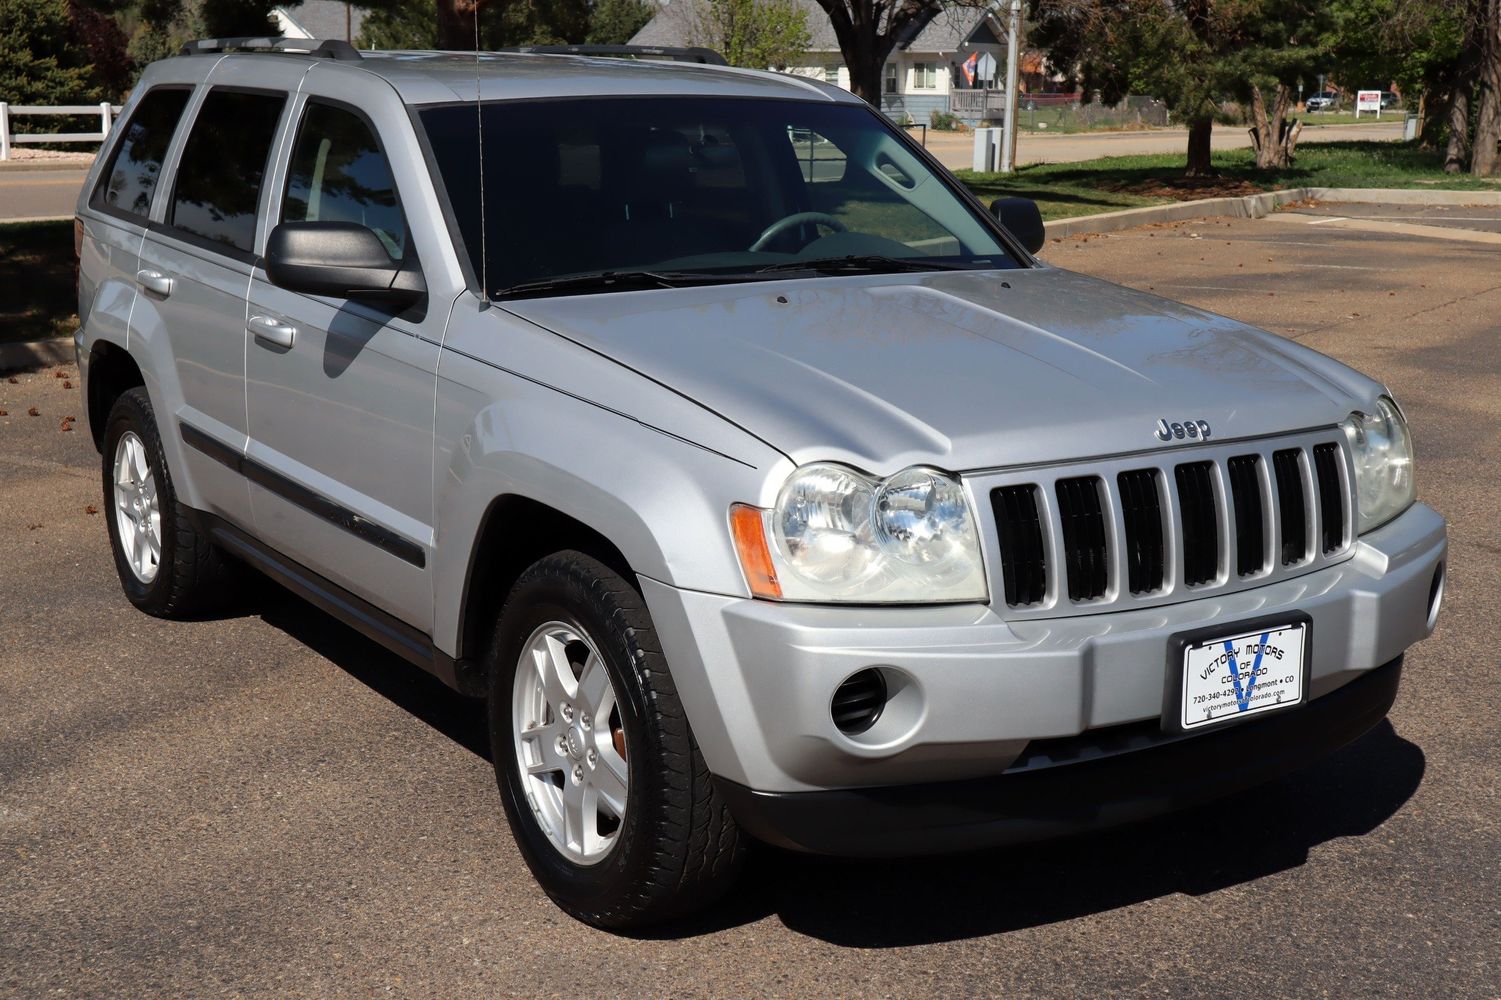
(1256, 206)
(37, 354)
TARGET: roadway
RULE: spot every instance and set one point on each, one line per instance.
(264, 803)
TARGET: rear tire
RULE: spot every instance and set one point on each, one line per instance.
(167, 566)
(675, 848)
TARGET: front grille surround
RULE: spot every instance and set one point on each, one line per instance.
(1229, 559)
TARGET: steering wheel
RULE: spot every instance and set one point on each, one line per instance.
(780, 226)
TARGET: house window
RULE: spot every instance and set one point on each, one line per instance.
(890, 86)
(924, 76)
(831, 73)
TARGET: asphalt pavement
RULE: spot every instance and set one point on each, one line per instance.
(264, 804)
(38, 194)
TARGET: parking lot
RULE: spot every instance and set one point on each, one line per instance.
(266, 804)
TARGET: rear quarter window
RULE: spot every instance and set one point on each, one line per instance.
(224, 161)
(128, 183)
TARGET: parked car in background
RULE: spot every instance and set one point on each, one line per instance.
(1326, 100)
(1389, 100)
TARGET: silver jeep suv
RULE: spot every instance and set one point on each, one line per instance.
(761, 480)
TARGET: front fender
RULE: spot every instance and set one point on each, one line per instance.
(662, 500)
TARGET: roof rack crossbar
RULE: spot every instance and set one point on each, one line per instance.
(331, 48)
(707, 57)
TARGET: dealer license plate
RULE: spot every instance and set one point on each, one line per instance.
(1242, 675)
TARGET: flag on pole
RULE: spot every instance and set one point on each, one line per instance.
(968, 66)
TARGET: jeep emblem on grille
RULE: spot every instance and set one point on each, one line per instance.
(1188, 429)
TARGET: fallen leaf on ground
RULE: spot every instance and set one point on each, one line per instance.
(33, 527)
(13, 380)
(67, 424)
(33, 412)
(67, 385)
(91, 509)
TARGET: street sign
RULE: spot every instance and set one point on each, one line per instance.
(1368, 100)
(986, 69)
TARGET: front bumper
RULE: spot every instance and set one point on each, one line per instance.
(1040, 800)
(974, 691)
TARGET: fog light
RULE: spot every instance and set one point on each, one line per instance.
(858, 702)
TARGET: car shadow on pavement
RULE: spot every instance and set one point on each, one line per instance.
(411, 688)
(900, 903)
(1259, 833)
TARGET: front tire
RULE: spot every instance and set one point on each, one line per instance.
(167, 566)
(606, 791)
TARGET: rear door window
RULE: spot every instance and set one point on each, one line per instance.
(340, 174)
(224, 161)
(127, 186)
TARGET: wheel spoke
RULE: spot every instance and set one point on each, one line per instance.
(576, 822)
(555, 672)
(594, 687)
(609, 780)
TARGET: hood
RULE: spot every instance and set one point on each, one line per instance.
(964, 370)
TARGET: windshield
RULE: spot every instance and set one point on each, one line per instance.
(693, 190)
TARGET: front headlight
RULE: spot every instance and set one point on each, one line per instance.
(839, 535)
(1382, 451)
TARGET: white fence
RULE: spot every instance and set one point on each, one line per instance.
(105, 110)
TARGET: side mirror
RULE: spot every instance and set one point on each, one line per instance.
(1022, 219)
(339, 259)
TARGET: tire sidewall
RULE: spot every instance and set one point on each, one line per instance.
(534, 602)
(132, 412)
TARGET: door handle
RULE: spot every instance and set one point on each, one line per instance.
(155, 282)
(272, 330)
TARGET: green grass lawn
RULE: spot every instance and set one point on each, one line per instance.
(36, 271)
(1064, 190)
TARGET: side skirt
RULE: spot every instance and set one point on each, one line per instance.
(362, 616)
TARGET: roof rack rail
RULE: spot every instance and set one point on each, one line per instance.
(331, 48)
(706, 57)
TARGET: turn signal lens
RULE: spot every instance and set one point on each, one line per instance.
(748, 526)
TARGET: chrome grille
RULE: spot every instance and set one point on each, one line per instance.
(1142, 530)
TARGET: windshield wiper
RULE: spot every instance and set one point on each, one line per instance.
(611, 281)
(864, 264)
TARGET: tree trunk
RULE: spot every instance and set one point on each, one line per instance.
(865, 75)
(1485, 159)
(864, 45)
(1457, 152)
(456, 24)
(1199, 132)
(1270, 131)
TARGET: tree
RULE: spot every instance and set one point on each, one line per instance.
(751, 33)
(41, 62)
(613, 22)
(1194, 55)
(1485, 159)
(867, 31)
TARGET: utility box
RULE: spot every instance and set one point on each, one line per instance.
(1410, 128)
(987, 150)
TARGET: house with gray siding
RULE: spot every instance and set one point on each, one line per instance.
(924, 68)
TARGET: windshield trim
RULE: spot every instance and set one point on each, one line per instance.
(987, 220)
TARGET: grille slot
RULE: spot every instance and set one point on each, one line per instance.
(1201, 523)
(1245, 493)
(858, 702)
(1084, 553)
(1288, 466)
(1024, 567)
(1331, 497)
(1141, 507)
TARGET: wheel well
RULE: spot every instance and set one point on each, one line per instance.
(112, 371)
(502, 552)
